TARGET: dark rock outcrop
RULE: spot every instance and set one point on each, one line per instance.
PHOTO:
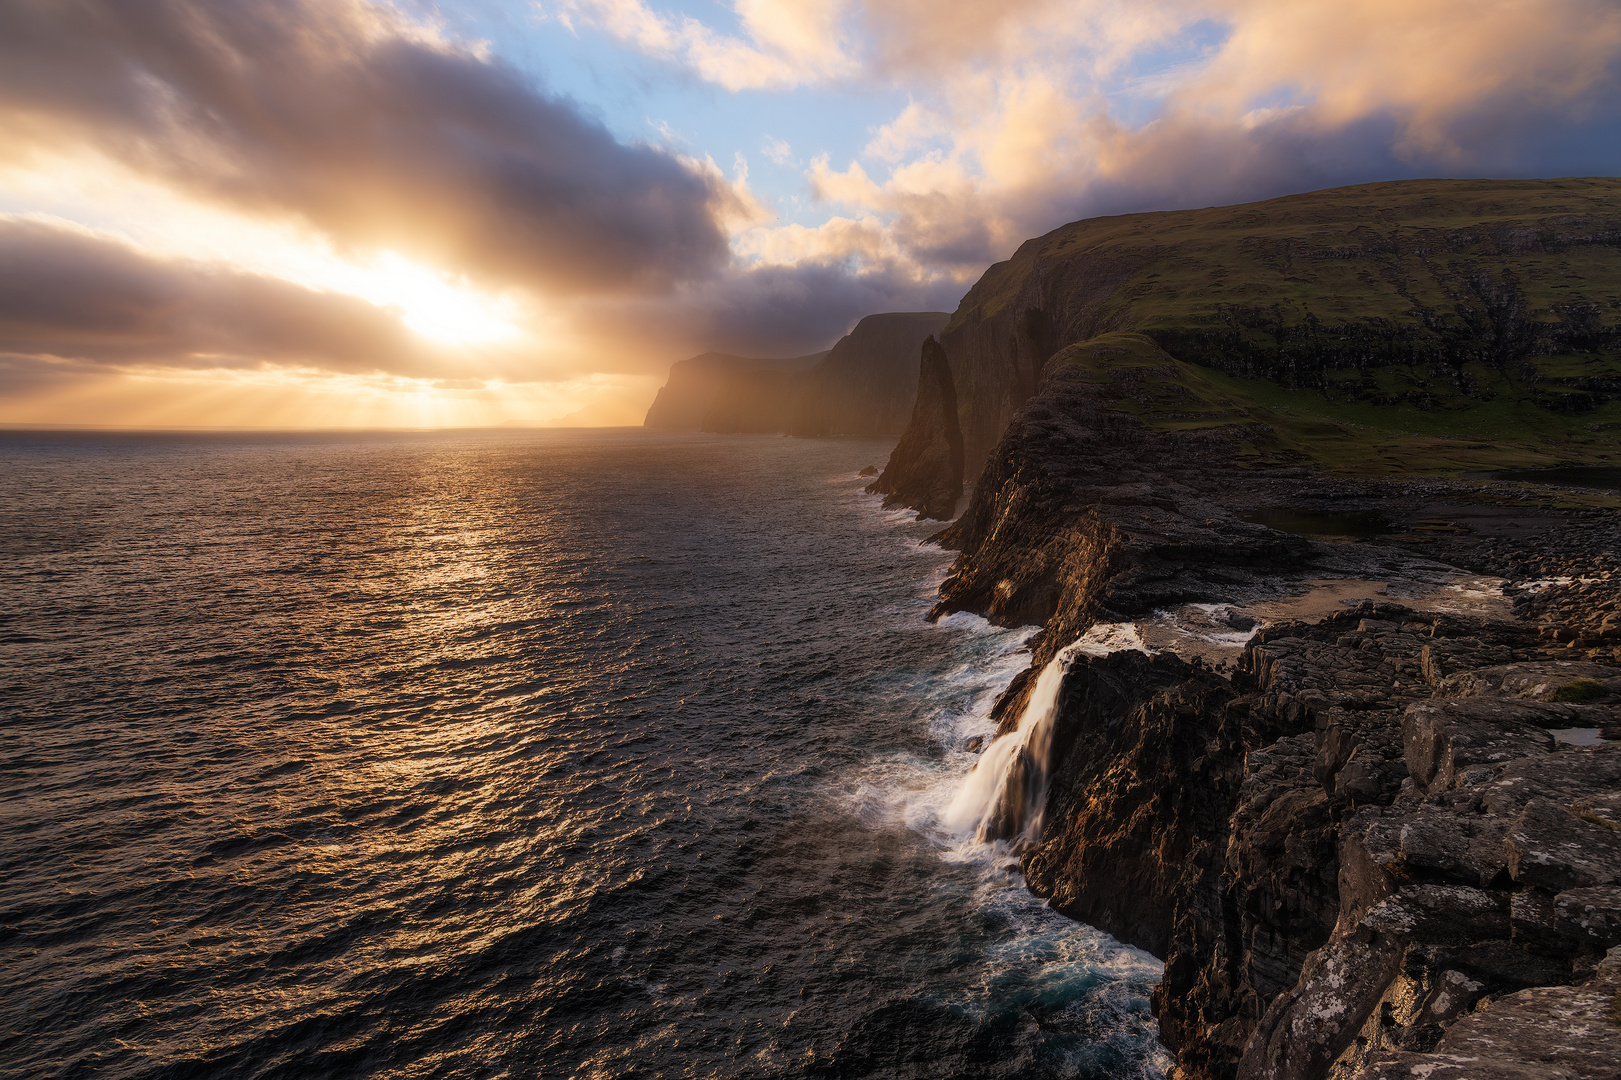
(1376, 837)
(1134, 774)
(1320, 907)
(1545, 1032)
(925, 468)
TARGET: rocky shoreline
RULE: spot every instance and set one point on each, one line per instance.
(1384, 842)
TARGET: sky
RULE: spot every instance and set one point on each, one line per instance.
(348, 213)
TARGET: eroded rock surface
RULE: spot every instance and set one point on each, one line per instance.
(1379, 833)
(1338, 858)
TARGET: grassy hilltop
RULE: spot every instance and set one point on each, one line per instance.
(1428, 326)
(1284, 426)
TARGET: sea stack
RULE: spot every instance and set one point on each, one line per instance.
(925, 469)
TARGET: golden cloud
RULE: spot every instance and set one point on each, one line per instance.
(347, 116)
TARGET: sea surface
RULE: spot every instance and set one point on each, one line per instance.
(506, 754)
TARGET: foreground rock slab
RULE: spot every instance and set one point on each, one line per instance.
(1384, 842)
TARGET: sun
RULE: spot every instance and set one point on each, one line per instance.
(434, 306)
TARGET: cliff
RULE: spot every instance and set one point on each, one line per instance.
(865, 385)
(868, 384)
(1426, 308)
(721, 392)
(927, 463)
(1378, 839)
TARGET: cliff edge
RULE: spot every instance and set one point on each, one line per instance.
(1434, 308)
(1375, 837)
(721, 392)
(867, 384)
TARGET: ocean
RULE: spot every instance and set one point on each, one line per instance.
(594, 753)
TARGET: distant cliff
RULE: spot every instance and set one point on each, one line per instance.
(865, 385)
(868, 383)
(1445, 307)
(721, 392)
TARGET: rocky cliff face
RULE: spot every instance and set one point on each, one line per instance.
(927, 463)
(1430, 298)
(722, 392)
(1340, 859)
(1382, 843)
(865, 385)
(868, 383)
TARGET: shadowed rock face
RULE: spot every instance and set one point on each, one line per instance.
(721, 392)
(1082, 515)
(867, 385)
(1371, 841)
(1141, 823)
(925, 468)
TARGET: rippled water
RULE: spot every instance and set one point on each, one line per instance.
(520, 754)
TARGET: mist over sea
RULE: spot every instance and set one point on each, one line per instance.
(522, 754)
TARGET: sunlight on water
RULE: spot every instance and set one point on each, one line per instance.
(518, 754)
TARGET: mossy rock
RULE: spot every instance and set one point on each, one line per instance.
(1581, 691)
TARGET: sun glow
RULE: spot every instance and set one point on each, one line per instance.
(281, 398)
(433, 305)
(102, 196)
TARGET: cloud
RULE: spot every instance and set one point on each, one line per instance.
(361, 136)
(79, 395)
(367, 126)
(76, 306)
(779, 151)
(913, 128)
(95, 331)
(1028, 114)
(785, 43)
(912, 40)
(764, 310)
(76, 298)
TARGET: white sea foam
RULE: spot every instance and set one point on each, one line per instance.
(1544, 583)
(913, 789)
(1086, 982)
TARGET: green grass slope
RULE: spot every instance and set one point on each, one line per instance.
(1277, 425)
(1462, 310)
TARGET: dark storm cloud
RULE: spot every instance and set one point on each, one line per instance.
(780, 310)
(97, 303)
(340, 112)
